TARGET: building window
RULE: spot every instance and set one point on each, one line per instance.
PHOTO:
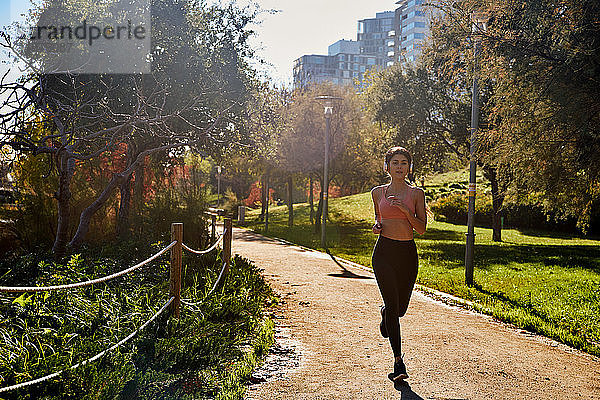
(419, 35)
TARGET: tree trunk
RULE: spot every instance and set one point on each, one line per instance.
(124, 207)
(266, 202)
(412, 174)
(86, 215)
(497, 200)
(138, 196)
(66, 168)
(311, 200)
(290, 185)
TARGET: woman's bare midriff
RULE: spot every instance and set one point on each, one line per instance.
(397, 229)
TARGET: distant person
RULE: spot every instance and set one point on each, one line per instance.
(399, 208)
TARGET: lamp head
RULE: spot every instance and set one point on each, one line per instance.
(328, 102)
(480, 20)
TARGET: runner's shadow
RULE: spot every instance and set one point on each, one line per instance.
(349, 274)
(346, 272)
(406, 392)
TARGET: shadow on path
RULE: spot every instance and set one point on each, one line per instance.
(349, 274)
(345, 272)
(406, 392)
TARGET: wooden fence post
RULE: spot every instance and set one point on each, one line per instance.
(175, 272)
(228, 235)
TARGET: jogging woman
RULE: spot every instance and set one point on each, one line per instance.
(399, 209)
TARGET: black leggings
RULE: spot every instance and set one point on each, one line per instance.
(395, 263)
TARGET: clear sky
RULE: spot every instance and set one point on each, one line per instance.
(308, 27)
(300, 27)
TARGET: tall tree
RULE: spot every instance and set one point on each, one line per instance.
(547, 100)
(194, 96)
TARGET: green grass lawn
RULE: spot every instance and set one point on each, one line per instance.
(542, 282)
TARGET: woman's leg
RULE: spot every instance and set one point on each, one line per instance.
(392, 324)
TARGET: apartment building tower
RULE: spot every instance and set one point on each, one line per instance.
(412, 25)
(344, 64)
(373, 36)
(389, 38)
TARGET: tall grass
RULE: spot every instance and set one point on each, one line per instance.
(542, 282)
(206, 353)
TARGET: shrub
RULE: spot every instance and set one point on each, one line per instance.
(454, 208)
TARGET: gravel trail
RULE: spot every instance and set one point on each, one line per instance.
(328, 344)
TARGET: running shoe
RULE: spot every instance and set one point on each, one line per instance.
(399, 371)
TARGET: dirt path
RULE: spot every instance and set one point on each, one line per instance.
(451, 353)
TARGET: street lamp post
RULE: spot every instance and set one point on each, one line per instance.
(479, 25)
(328, 102)
(218, 186)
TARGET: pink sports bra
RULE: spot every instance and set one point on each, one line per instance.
(388, 211)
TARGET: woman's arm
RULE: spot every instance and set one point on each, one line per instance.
(377, 225)
(419, 222)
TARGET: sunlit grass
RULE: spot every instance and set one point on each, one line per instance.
(540, 281)
(208, 352)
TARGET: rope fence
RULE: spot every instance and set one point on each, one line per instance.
(92, 359)
(86, 283)
(211, 248)
(176, 247)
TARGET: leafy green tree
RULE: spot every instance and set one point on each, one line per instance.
(355, 143)
(195, 96)
(540, 64)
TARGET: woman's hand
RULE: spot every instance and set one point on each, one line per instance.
(394, 201)
(377, 228)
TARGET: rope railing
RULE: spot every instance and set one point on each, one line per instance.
(215, 285)
(176, 246)
(208, 250)
(218, 281)
(92, 359)
(86, 283)
(227, 236)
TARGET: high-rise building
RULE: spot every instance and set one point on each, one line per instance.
(389, 38)
(343, 65)
(412, 25)
(314, 68)
(373, 34)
